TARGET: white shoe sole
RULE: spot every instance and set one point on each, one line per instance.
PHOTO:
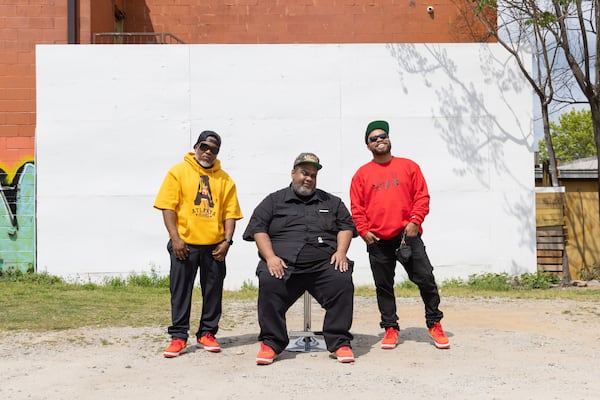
(212, 349)
(264, 361)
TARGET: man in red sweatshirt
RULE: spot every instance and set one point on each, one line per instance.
(389, 201)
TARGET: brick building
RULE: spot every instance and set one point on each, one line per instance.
(25, 23)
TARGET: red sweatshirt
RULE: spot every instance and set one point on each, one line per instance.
(386, 197)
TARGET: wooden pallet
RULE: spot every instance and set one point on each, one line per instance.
(550, 232)
(550, 248)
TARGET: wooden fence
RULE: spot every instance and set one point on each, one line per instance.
(567, 231)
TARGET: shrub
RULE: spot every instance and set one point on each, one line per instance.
(453, 283)
(589, 272)
(249, 286)
(406, 284)
(115, 282)
(12, 274)
(489, 281)
(539, 280)
(152, 280)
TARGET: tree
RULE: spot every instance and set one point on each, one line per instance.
(572, 137)
(516, 27)
(566, 27)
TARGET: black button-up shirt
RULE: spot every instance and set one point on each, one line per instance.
(293, 222)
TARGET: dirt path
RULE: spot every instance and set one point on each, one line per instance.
(500, 349)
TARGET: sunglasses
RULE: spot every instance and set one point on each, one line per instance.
(373, 139)
(205, 147)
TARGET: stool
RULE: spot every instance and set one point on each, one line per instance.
(307, 340)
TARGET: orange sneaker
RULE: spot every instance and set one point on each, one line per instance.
(344, 354)
(390, 338)
(265, 355)
(439, 337)
(209, 343)
(175, 348)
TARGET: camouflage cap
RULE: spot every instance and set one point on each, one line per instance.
(307, 158)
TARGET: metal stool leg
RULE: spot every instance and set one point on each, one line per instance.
(307, 340)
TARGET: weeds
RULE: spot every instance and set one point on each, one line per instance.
(589, 272)
(41, 302)
(139, 280)
(503, 282)
(16, 275)
(539, 280)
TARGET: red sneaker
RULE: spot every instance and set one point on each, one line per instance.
(175, 348)
(265, 355)
(209, 343)
(390, 338)
(344, 354)
(439, 337)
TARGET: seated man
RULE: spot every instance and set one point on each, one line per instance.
(303, 234)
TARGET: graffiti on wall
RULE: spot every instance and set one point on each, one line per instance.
(17, 217)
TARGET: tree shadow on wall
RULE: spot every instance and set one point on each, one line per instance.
(472, 133)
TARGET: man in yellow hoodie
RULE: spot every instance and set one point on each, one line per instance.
(200, 207)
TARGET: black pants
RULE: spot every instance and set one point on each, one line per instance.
(420, 271)
(183, 274)
(332, 289)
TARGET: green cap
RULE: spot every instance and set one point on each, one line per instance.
(383, 125)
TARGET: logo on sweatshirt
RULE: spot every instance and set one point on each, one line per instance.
(204, 199)
(388, 182)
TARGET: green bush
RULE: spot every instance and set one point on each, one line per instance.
(539, 280)
(406, 284)
(116, 282)
(489, 281)
(248, 286)
(152, 280)
(590, 272)
(139, 280)
(12, 274)
(453, 283)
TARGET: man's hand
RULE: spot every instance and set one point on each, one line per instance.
(180, 249)
(220, 251)
(411, 229)
(339, 261)
(370, 238)
(276, 266)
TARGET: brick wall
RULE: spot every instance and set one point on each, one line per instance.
(23, 23)
(299, 21)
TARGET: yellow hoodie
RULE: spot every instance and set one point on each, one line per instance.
(203, 199)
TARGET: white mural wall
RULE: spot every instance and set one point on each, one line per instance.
(111, 120)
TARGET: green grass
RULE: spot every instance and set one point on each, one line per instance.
(39, 302)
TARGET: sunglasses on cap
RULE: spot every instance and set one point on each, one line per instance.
(373, 139)
(205, 147)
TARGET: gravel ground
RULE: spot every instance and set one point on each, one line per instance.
(500, 349)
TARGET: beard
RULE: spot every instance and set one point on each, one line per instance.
(301, 190)
(204, 163)
(379, 152)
